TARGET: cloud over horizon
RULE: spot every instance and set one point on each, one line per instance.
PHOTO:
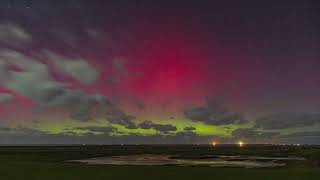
(214, 113)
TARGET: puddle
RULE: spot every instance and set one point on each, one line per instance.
(217, 161)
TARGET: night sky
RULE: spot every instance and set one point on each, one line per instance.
(169, 71)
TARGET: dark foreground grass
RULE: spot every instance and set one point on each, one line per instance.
(49, 164)
(64, 171)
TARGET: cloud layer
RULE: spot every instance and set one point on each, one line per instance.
(215, 113)
(288, 120)
(163, 128)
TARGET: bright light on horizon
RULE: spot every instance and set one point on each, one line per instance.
(241, 143)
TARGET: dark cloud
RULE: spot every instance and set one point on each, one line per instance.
(244, 133)
(98, 135)
(108, 110)
(306, 137)
(288, 120)
(20, 130)
(89, 103)
(250, 133)
(81, 116)
(5, 129)
(95, 135)
(97, 129)
(215, 113)
(117, 116)
(79, 104)
(190, 128)
(163, 128)
(303, 134)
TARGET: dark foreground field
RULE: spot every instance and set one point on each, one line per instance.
(46, 163)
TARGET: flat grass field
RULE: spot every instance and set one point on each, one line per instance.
(49, 163)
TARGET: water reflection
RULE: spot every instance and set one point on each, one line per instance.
(213, 161)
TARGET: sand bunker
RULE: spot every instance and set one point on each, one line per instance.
(218, 161)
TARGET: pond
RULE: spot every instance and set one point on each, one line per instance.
(212, 161)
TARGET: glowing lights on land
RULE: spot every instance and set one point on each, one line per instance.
(214, 143)
(241, 144)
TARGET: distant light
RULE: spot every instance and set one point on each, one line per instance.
(214, 143)
(240, 143)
